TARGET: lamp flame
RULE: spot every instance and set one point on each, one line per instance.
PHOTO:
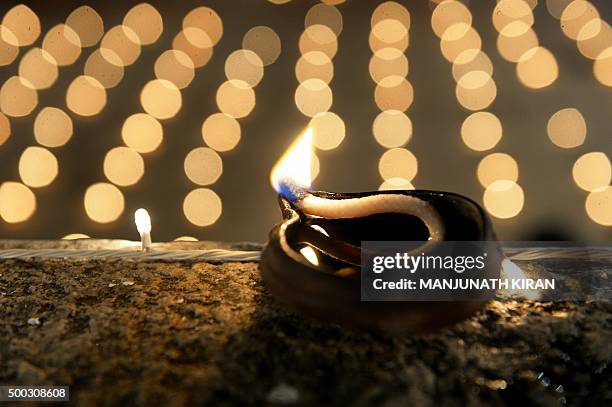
(292, 172)
(143, 221)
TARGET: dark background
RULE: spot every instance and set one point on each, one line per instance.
(554, 205)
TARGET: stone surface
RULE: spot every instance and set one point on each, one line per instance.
(118, 331)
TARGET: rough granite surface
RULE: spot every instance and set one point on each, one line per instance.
(120, 332)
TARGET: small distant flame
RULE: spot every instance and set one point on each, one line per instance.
(292, 171)
(143, 221)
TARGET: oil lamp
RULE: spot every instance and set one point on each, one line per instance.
(313, 257)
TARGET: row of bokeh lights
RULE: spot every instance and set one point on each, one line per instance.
(536, 68)
(314, 71)
(192, 47)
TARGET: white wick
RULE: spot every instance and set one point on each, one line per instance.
(374, 204)
(143, 224)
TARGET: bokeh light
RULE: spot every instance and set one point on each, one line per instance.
(592, 171)
(52, 127)
(388, 62)
(63, 44)
(476, 90)
(471, 60)
(23, 23)
(203, 166)
(556, 7)
(88, 24)
(86, 96)
(392, 128)
(123, 166)
(575, 16)
(75, 236)
(458, 38)
(510, 11)
(328, 130)
(398, 163)
(39, 68)
(512, 47)
(142, 132)
(8, 49)
(100, 67)
(593, 38)
(318, 38)
(389, 31)
(264, 42)
(145, 21)
(391, 10)
(598, 206)
(376, 44)
(175, 66)
(202, 207)
(244, 65)
(37, 167)
(196, 44)
(602, 68)
(186, 239)
(393, 93)
(161, 99)
(537, 68)
(18, 97)
(314, 65)
(324, 15)
(221, 132)
(5, 128)
(481, 131)
(17, 202)
(497, 167)
(567, 128)
(393, 184)
(235, 98)
(207, 20)
(504, 199)
(313, 96)
(104, 202)
(124, 42)
(447, 14)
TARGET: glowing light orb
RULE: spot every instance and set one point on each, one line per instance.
(598, 206)
(221, 132)
(328, 130)
(161, 99)
(203, 166)
(567, 128)
(142, 132)
(392, 128)
(202, 207)
(86, 96)
(504, 199)
(88, 25)
(264, 42)
(123, 166)
(592, 171)
(52, 127)
(18, 97)
(17, 202)
(481, 131)
(235, 98)
(398, 163)
(497, 167)
(104, 202)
